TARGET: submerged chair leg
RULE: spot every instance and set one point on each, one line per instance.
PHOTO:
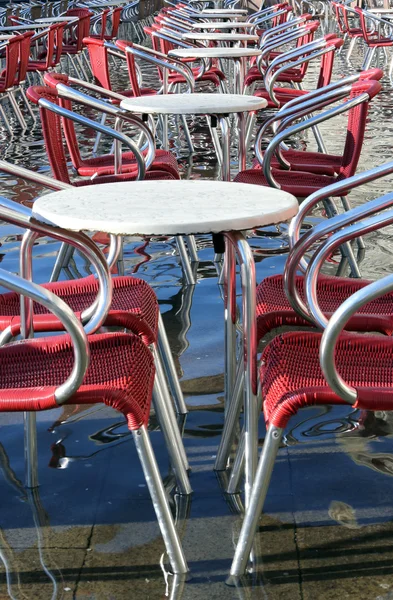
(187, 133)
(31, 458)
(192, 248)
(170, 369)
(185, 263)
(231, 420)
(257, 500)
(17, 110)
(27, 103)
(167, 418)
(5, 120)
(160, 501)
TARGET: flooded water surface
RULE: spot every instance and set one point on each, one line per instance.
(89, 531)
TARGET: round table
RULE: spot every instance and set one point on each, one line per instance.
(163, 208)
(238, 55)
(223, 25)
(220, 106)
(26, 27)
(58, 20)
(220, 37)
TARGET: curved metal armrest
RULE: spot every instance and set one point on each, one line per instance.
(71, 324)
(264, 11)
(289, 113)
(21, 216)
(336, 325)
(265, 18)
(44, 180)
(280, 137)
(77, 96)
(169, 63)
(116, 135)
(336, 239)
(372, 17)
(300, 246)
(274, 31)
(280, 40)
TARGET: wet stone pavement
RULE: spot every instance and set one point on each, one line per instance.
(89, 531)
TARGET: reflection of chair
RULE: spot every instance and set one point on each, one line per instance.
(115, 369)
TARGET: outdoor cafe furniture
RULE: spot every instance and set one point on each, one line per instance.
(337, 367)
(238, 55)
(188, 207)
(218, 106)
(116, 369)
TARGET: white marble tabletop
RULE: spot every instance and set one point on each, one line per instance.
(220, 37)
(24, 27)
(223, 25)
(223, 11)
(166, 207)
(215, 16)
(216, 52)
(193, 104)
(4, 38)
(57, 19)
(380, 11)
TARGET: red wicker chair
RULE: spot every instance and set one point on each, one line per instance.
(164, 161)
(302, 184)
(35, 376)
(336, 368)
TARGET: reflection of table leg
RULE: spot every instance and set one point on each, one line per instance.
(230, 321)
(248, 283)
(226, 147)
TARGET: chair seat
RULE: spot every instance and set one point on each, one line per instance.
(289, 383)
(150, 175)
(312, 162)
(283, 95)
(37, 65)
(379, 42)
(287, 76)
(297, 183)
(209, 76)
(274, 310)
(104, 165)
(120, 375)
(134, 306)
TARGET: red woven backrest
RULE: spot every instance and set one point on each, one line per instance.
(115, 18)
(104, 19)
(363, 24)
(58, 44)
(327, 60)
(341, 17)
(52, 131)
(24, 55)
(98, 55)
(83, 25)
(158, 45)
(122, 44)
(356, 126)
(12, 51)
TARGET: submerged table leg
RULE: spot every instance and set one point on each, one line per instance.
(230, 320)
(248, 282)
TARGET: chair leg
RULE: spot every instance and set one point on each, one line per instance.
(351, 48)
(28, 105)
(192, 248)
(160, 501)
(31, 459)
(185, 263)
(368, 58)
(82, 68)
(98, 136)
(238, 467)
(17, 110)
(231, 420)
(5, 120)
(187, 134)
(170, 369)
(167, 418)
(63, 258)
(257, 500)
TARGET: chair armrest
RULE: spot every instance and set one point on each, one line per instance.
(116, 135)
(71, 324)
(334, 328)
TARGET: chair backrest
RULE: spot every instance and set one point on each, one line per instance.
(52, 131)
(24, 55)
(342, 18)
(131, 66)
(104, 20)
(363, 25)
(98, 55)
(327, 60)
(115, 19)
(12, 52)
(356, 127)
(58, 44)
(83, 25)
(279, 19)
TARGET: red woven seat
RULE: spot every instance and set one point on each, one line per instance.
(298, 183)
(302, 183)
(120, 375)
(134, 306)
(365, 362)
(274, 310)
(312, 162)
(104, 165)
